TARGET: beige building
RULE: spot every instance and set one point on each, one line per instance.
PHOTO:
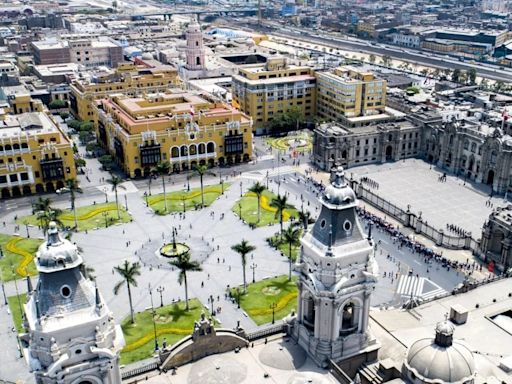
(346, 92)
(181, 127)
(265, 91)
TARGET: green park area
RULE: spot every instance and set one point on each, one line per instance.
(88, 217)
(248, 205)
(257, 302)
(300, 142)
(282, 246)
(17, 255)
(172, 322)
(16, 307)
(180, 201)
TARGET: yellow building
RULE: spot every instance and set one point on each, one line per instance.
(265, 91)
(181, 127)
(19, 99)
(35, 155)
(128, 79)
(346, 92)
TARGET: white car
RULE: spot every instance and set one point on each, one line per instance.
(62, 190)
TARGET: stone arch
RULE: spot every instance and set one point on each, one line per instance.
(202, 162)
(39, 188)
(184, 150)
(210, 147)
(60, 184)
(211, 162)
(16, 192)
(192, 150)
(16, 147)
(497, 236)
(175, 152)
(350, 314)
(201, 149)
(27, 190)
(6, 193)
(8, 147)
(308, 310)
(137, 172)
(50, 187)
(490, 177)
(221, 160)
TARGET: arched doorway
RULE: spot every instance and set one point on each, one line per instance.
(60, 184)
(490, 177)
(221, 160)
(211, 162)
(137, 173)
(389, 152)
(16, 191)
(27, 190)
(50, 187)
(344, 154)
(39, 188)
(6, 193)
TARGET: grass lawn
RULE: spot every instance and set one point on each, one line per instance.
(282, 246)
(15, 310)
(303, 142)
(172, 323)
(249, 203)
(260, 295)
(192, 199)
(89, 217)
(18, 252)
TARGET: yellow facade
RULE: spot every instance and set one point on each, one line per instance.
(347, 92)
(181, 127)
(23, 102)
(35, 155)
(272, 89)
(128, 79)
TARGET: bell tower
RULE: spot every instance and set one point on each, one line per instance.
(195, 48)
(71, 334)
(337, 275)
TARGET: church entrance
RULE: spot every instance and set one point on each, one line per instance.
(490, 177)
(389, 152)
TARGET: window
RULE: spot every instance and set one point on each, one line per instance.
(65, 291)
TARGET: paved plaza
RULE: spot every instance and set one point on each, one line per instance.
(413, 183)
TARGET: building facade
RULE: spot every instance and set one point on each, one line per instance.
(195, 49)
(181, 127)
(496, 244)
(50, 52)
(94, 53)
(35, 155)
(128, 79)
(267, 91)
(71, 334)
(347, 92)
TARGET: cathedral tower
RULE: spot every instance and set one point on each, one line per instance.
(195, 49)
(338, 273)
(72, 336)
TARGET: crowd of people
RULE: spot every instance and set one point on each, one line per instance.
(369, 182)
(457, 230)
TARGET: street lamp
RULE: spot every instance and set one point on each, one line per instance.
(240, 189)
(105, 215)
(253, 266)
(160, 290)
(153, 316)
(211, 300)
(183, 202)
(188, 183)
(149, 184)
(273, 307)
(240, 209)
(126, 203)
(19, 305)
(1, 252)
(238, 296)
(267, 179)
(26, 227)
(146, 197)
(105, 192)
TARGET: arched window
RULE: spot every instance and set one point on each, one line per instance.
(466, 144)
(184, 150)
(202, 148)
(494, 157)
(175, 152)
(210, 147)
(192, 150)
(198, 60)
(473, 147)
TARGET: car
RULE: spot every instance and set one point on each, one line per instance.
(62, 190)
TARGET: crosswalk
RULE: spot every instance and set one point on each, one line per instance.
(418, 287)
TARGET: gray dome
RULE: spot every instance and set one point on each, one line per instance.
(339, 192)
(56, 253)
(441, 360)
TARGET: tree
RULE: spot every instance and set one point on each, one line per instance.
(372, 58)
(184, 265)
(498, 86)
(280, 203)
(74, 124)
(162, 169)
(386, 61)
(73, 187)
(258, 189)
(456, 75)
(304, 217)
(115, 182)
(57, 104)
(291, 237)
(106, 161)
(243, 248)
(472, 76)
(46, 217)
(64, 115)
(41, 204)
(202, 170)
(79, 162)
(128, 272)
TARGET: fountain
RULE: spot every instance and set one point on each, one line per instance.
(174, 249)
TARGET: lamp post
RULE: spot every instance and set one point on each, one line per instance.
(153, 316)
(240, 209)
(238, 297)
(146, 197)
(105, 215)
(160, 290)
(221, 182)
(1, 251)
(188, 183)
(240, 189)
(211, 300)
(19, 306)
(183, 202)
(267, 179)
(149, 184)
(26, 228)
(126, 203)
(253, 266)
(273, 307)
(105, 192)
(3, 291)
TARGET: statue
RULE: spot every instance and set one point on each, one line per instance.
(203, 327)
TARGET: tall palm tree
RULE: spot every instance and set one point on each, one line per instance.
(304, 217)
(128, 272)
(258, 189)
(202, 170)
(243, 248)
(41, 204)
(280, 203)
(74, 188)
(115, 182)
(46, 217)
(162, 169)
(184, 264)
(291, 237)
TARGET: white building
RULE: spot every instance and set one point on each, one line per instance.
(406, 40)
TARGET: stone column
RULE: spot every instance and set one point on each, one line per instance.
(419, 224)
(439, 241)
(366, 311)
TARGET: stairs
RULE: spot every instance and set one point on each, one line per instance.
(370, 373)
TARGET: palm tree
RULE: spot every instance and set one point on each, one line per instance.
(258, 189)
(163, 168)
(128, 272)
(291, 237)
(73, 187)
(243, 248)
(280, 203)
(46, 217)
(184, 264)
(41, 204)
(202, 170)
(304, 219)
(115, 182)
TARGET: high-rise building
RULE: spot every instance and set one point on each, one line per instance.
(71, 334)
(181, 127)
(195, 49)
(337, 276)
(266, 91)
(346, 92)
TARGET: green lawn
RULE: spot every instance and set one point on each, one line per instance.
(14, 306)
(192, 199)
(18, 252)
(282, 246)
(260, 295)
(249, 204)
(172, 323)
(89, 217)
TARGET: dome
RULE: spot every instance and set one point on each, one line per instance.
(56, 253)
(440, 360)
(339, 192)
